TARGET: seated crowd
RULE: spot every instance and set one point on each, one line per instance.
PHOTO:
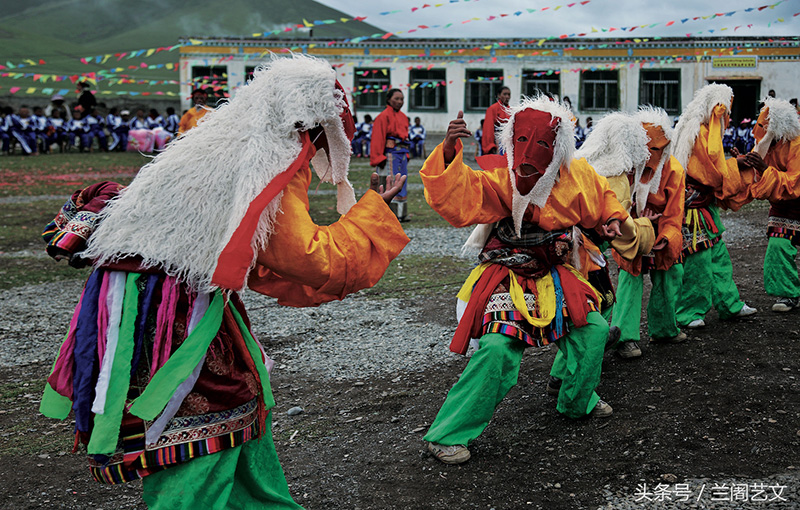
(36, 130)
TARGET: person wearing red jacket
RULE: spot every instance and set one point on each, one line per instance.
(495, 116)
(390, 145)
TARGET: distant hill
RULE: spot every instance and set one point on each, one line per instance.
(62, 31)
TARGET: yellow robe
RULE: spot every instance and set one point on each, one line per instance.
(305, 264)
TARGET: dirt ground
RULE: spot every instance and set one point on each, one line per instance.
(726, 403)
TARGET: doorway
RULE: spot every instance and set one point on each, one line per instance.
(746, 98)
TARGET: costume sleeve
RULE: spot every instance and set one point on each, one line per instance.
(622, 189)
(637, 238)
(463, 196)
(378, 143)
(488, 142)
(594, 203)
(778, 183)
(671, 220)
(305, 264)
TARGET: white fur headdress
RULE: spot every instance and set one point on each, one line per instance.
(183, 208)
(562, 153)
(616, 146)
(783, 124)
(697, 113)
(658, 118)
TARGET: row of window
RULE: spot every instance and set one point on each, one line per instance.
(599, 90)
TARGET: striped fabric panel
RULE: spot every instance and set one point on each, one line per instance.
(153, 461)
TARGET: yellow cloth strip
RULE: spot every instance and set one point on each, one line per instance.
(546, 300)
(466, 289)
(694, 220)
(580, 277)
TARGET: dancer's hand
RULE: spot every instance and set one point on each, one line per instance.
(660, 245)
(753, 159)
(611, 229)
(455, 130)
(394, 184)
(650, 214)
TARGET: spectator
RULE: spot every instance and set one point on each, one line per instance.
(77, 128)
(87, 100)
(190, 118)
(580, 135)
(154, 120)
(5, 128)
(478, 137)
(417, 137)
(742, 136)
(40, 128)
(496, 114)
(55, 130)
(771, 93)
(588, 129)
(172, 122)
(57, 103)
(119, 125)
(140, 137)
(23, 129)
(729, 137)
(97, 124)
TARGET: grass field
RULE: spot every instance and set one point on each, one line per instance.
(33, 189)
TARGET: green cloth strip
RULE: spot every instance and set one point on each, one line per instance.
(53, 404)
(180, 364)
(258, 360)
(105, 433)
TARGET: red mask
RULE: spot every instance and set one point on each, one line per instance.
(347, 118)
(534, 141)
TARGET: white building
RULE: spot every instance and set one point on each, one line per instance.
(442, 76)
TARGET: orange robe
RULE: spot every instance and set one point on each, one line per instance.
(190, 118)
(388, 123)
(781, 180)
(305, 264)
(495, 115)
(669, 202)
(707, 166)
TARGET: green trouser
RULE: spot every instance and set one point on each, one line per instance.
(493, 370)
(780, 269)
(248, 476)
(708, 281)
(661, 319)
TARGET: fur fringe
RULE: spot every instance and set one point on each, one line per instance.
(783, 125)
(697, 113)
(183, 207)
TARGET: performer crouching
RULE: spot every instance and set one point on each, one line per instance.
(525, 292)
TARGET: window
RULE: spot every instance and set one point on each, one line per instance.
(370, 88)
(599, 90)
(482, 87)
(213, 79)
(545, 82)
(428, 90)
(248, 73)
(661, 88)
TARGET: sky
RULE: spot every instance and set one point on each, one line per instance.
(597, 14)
